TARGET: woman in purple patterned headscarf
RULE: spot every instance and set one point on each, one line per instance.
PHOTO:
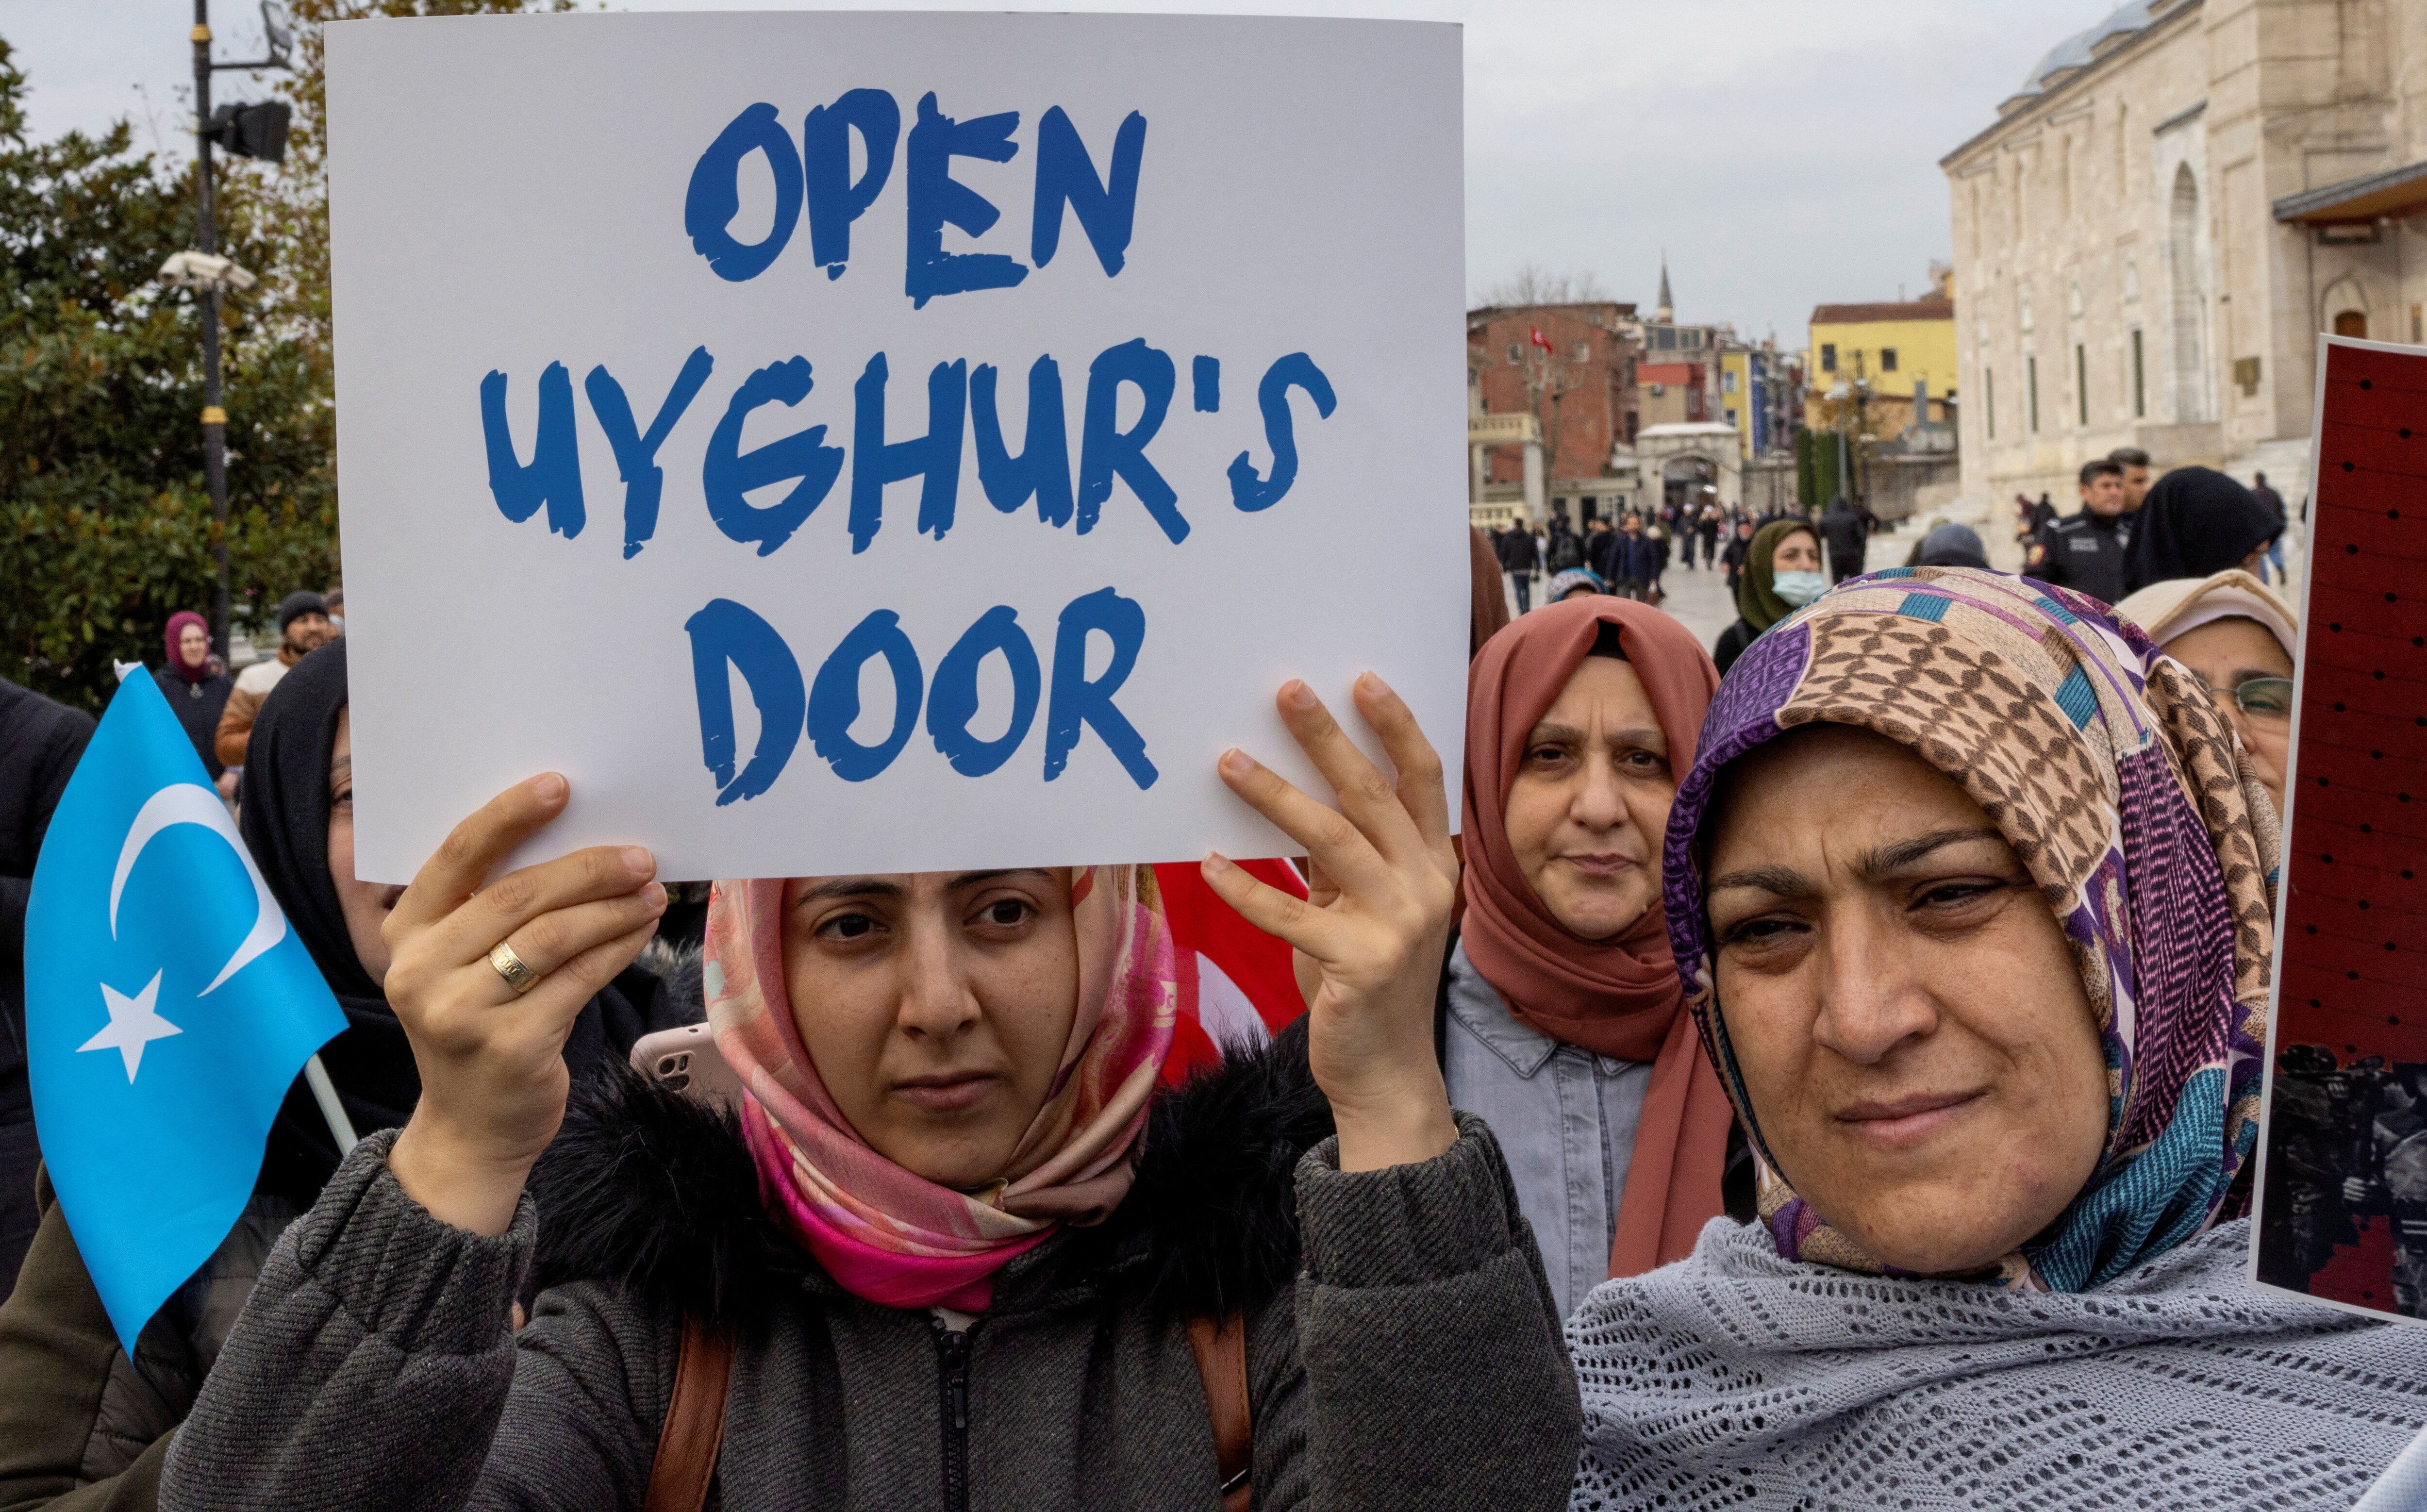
(1968, 885)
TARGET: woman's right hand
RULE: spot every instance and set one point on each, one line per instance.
(492, 1062)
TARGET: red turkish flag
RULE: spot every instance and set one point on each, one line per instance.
(1539, 340)
(1236, 986)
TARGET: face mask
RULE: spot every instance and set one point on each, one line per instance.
(1799, 588)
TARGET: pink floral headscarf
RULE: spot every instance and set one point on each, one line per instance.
(897, 1239)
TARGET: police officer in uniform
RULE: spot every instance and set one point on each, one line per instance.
(2085, 551)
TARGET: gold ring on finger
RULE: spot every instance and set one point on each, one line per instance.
(516, 971)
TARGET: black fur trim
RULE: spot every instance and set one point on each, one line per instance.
(651, 1191)
(656, 1193)
(1216, 1189)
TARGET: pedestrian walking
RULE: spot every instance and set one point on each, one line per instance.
(1731, 557)
(1566, 549)
(1632, 564)
(1846, 536)
(1782, 572)
(2086, 551)
(1520, 555)
(196, 684)
(304, 627)
(1603, 550)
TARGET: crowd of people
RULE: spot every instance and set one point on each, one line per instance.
(1820, 1073)
(1630, 555)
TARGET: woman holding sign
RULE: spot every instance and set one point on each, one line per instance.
(1562, 1021)
(1970, 889)
(946, 1252)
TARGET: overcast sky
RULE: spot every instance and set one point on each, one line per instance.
(1783, 152)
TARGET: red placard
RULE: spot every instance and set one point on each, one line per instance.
(2343, 1180)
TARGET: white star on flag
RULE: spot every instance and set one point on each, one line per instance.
(133, 1024)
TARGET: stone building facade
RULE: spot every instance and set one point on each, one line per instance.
(2176, 202)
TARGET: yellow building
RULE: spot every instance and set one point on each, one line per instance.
(1735, 402)
(1882, 355)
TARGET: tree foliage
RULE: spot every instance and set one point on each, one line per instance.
(106, 524)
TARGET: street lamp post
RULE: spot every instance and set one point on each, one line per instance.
(254, 130)
(214, 418)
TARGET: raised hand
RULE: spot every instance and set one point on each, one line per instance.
(492, 1060)
(1369, 940)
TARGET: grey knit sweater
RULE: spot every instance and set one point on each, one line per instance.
(1737, 1379)
(1415, 1363)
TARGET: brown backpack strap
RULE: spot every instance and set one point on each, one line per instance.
(695, 1429)
(1221, 1350)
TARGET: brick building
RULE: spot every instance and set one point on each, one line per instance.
(1574, 366)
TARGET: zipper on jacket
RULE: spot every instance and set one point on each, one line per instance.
(952, 1376)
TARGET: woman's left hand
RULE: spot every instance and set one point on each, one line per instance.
(1370, 940)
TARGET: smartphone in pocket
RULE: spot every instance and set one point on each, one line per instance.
(686, 1059)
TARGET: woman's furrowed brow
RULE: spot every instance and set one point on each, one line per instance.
(973, 879)
(850, 888)
(1784, 881)
(1644, 738)
(1899, 854)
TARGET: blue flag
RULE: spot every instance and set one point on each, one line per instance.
(167, 1008)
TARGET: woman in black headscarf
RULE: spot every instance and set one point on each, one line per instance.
(77, 1414)
(2195, 523)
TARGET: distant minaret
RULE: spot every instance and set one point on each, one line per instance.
(1667, 313)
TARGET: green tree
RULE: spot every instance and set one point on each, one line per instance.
(105, 526)
(106, 522)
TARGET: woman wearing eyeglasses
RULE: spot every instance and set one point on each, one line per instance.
(2237, 635)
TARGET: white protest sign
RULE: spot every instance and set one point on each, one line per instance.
(849, 441)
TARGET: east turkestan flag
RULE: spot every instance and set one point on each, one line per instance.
(167, 1008)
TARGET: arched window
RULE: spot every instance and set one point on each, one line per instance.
(2072, 301)
(2131, 282)
(2026, 311)
(2344, 308)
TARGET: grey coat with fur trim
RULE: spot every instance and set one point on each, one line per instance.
(1403, 1352)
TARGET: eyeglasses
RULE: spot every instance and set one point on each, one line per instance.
(2266, 700)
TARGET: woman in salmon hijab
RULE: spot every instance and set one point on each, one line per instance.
(1562, 1018)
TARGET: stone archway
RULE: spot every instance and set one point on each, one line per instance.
(1708, 453)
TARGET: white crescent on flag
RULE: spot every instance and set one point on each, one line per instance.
(190, 802)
